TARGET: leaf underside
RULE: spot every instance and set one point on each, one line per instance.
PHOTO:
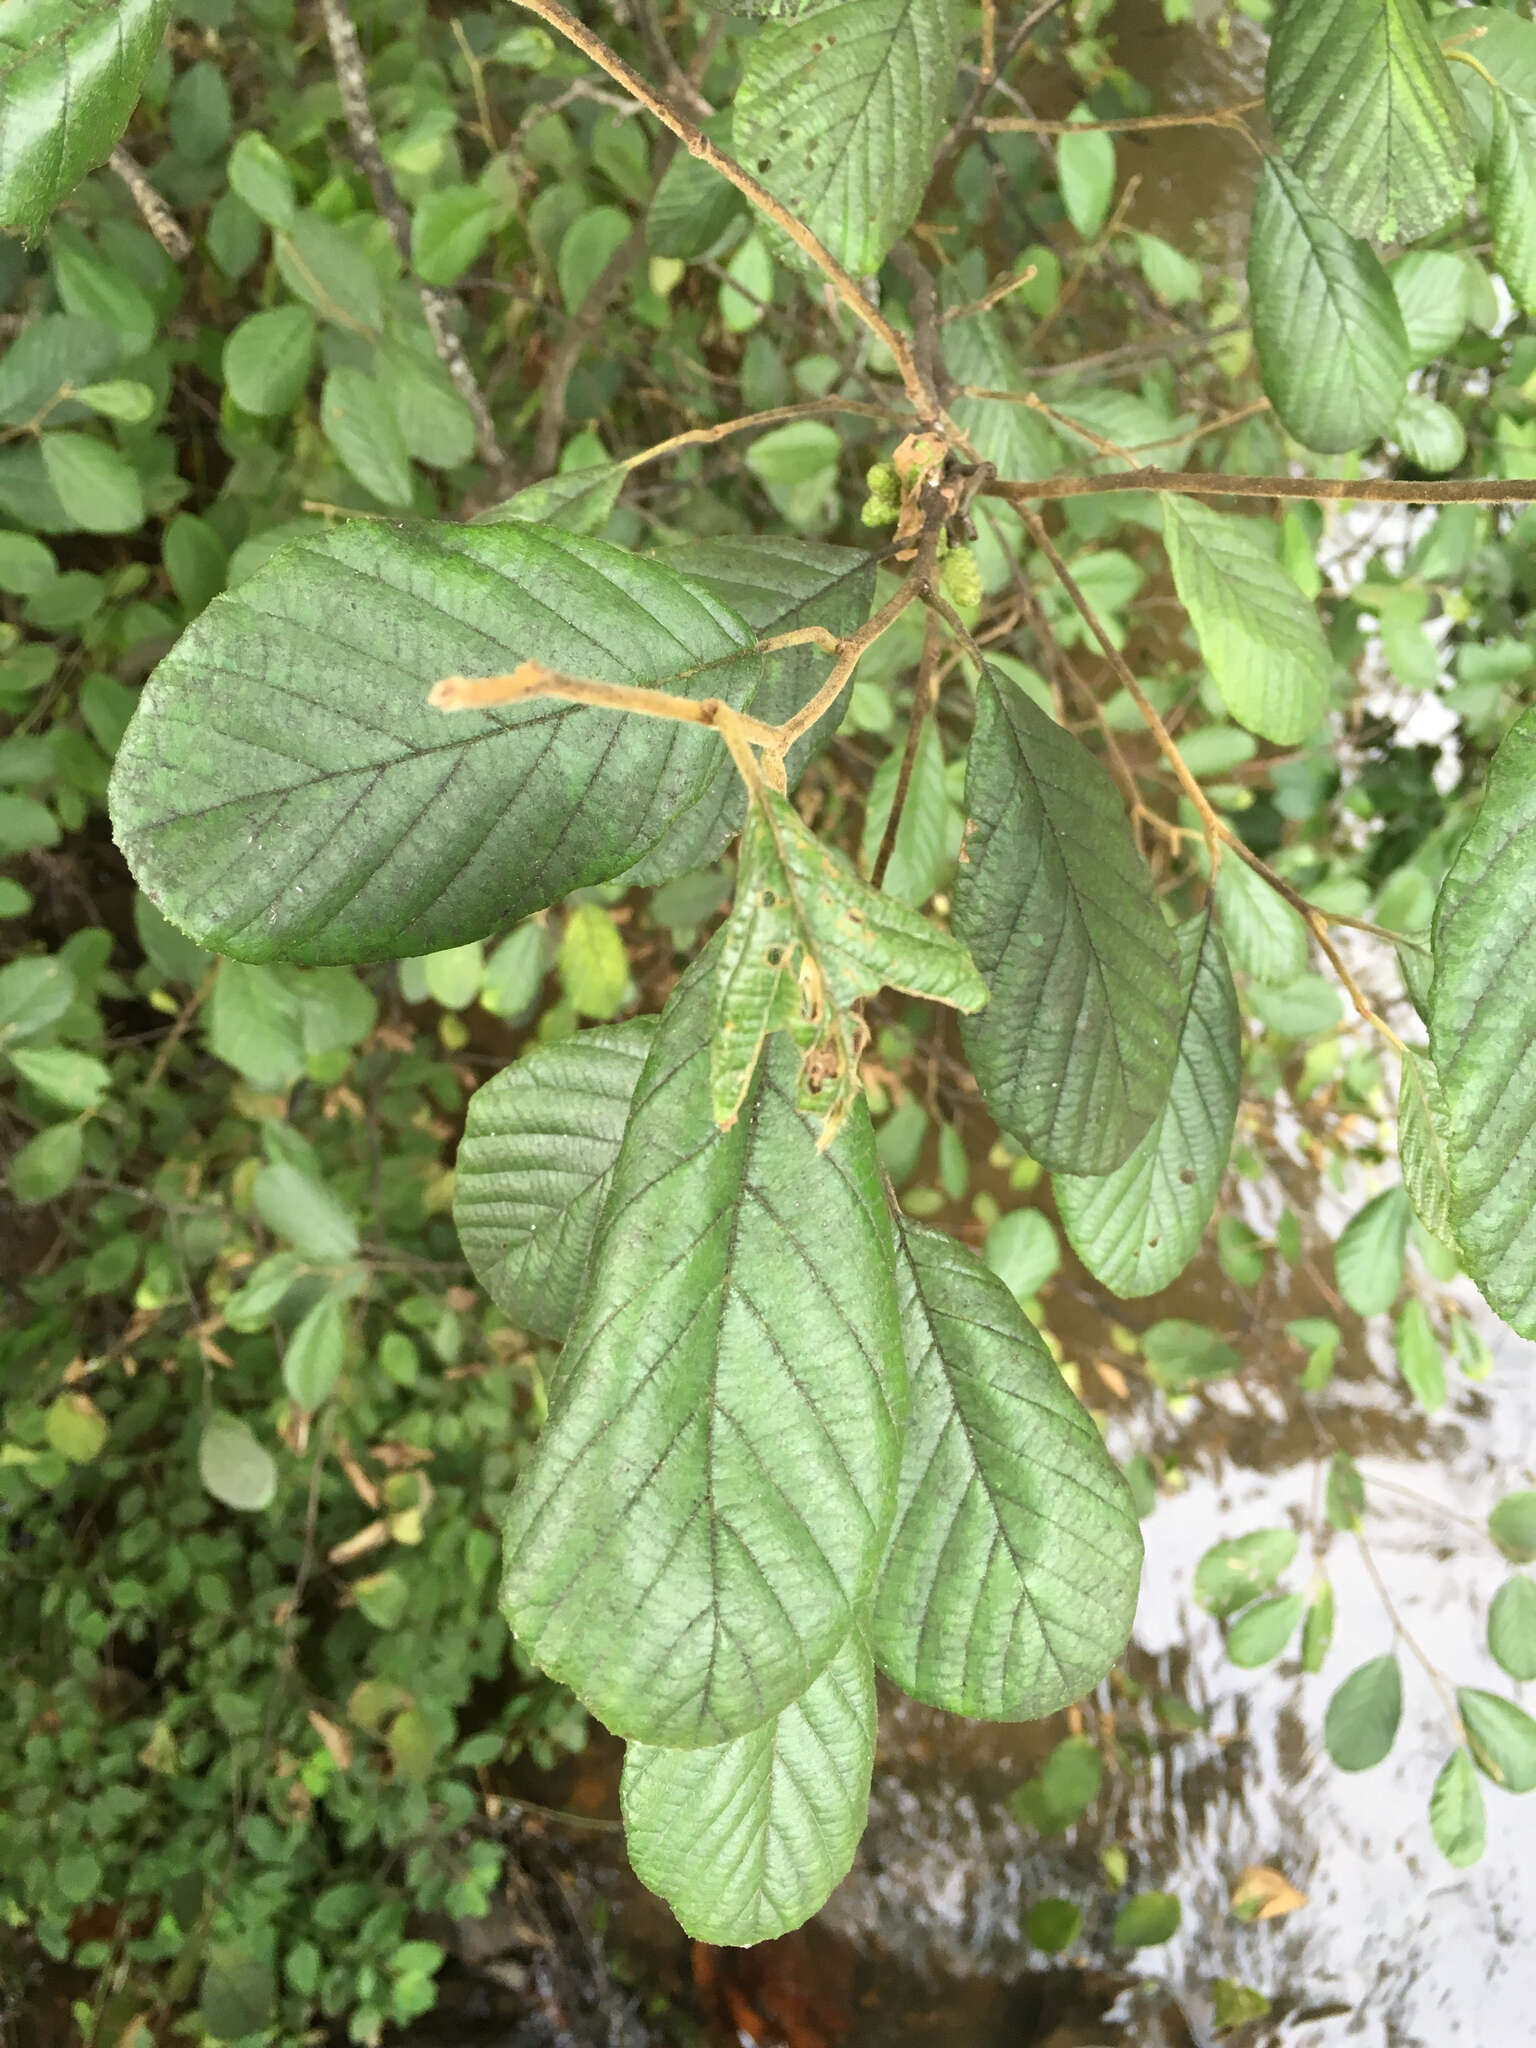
(1365, 112)
(1482, 1033)
(1076, 1047)
(747, 1839)
(285, 789)
(540, 1140)
(1010, 1583)
(1137, 1228)
(708, 1504)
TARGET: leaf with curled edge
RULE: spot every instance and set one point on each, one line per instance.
(1137, 1228)
(286, 789)
(807, 937)
(534, 1167)
(1075, 1051)
(747, 1839)
(706, 1510)
(1010, 1581)
(1482, 1032)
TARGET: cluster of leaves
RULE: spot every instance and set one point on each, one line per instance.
(793, 1434)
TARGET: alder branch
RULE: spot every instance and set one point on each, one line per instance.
(1325, 489)
(804, 409)
(1130, 124)
(697, 143)
(156, 215)
(533, 679)
(352, 82)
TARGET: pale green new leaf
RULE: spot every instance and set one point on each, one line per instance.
(1010, 1582)
(1076, 1048)
(1365, 112)
(1368, 1258)
(1259, 635)
(1502, 1736)
(1360, 1725)
(1482, 1032)
(540, 1141)
(70, 72)
(1512, 196)
(1017, 441)
(747, 1839)
(1266, 937)
(806, 938)
(286, 790)
(1332, 348)
(1456, 1811)
(707, 1508)
(1137, 1228)
(839, 113)
(1421, 1144)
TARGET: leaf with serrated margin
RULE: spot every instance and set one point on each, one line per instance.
(1333, 351)
(1015, 440)
(540, 1140)
(1512, 197)
(70, 72)
(1075, 1050)
(1482, 1032)
(285, 790)
(1365, 112)
(1136, 1229)
(1267, 938)
(1260, 637)
(708, 1505)
(747, 1839)
(1421, 1144)
(807, 937)
(839, 113)
(777, 583)
(1010, 1582)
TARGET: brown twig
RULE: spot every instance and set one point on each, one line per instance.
(1325, 489)
(988, 81)
(352, 83)
(157, 216)
(805, 409)
(925, 701)
(1130, 124)
(184, 1016)
(582, 329)
(698, 144)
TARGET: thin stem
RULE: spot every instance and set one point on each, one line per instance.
(184, 1016)
(476, 72)
(805, 409)
(1084, 261)
(157, 216)
(1325, 490)
(1130, 124)
(698, 144)
(987, 83)
(1405, 1635)
(925, 700)
(992, 298)
(532, 679)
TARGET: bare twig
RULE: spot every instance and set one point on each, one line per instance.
(157, 216)
(184, 1016)
(1131, 124)
(805, 409)
(698, 144)
(581, 330)
(988, 80)
(352, 82)
(534, 679)
(1325, 489)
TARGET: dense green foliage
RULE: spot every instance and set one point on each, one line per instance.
(390, 658)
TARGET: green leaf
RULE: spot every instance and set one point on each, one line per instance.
(1365, 112)
(1021, 1249)
(919, 856)
(1260, 637)
(1345, 1494)
(360, 424)
(96, 487)
(1181, 1355)
(1138, 1227)
(233, 1465)
(1456, 1811)
(263, 180)
(806, 939)
(1148, 1920)
(576, 501)
(1418, 1357)
(1512, 1525)
(1512, 196)
(1429, 434)
(1421, 1143)
(1015, 440)
(196, 560)
(1053, 1925)
(267, 360)
(435, 424)
(1010, 1581)
(238, 1992)
(746, 1840)
(75, 1080)
(1317, 1630)
(1085, 169)
(46, 1165)
(1233, 2004)
(315, 1352)
(70, 72)
(1232, 1573)
(1512, 1627)
(585, 250)
(593, 969)
(1482, 1032)
(286, 789)
(1267, 938)
(839, 113)
(76, 1428)
(1332, 349)
(1361, 1723)
(1075, 1052)
(1262, 1631)
(93, 290)
(739, 1347)
(34, 993)
(329, 269)
(1430, 286)
(1368, 1258)
(1502, 1738)
(534, 1166)
(296, 1206)
(693, 205)
(450, 230)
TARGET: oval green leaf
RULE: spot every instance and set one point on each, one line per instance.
(1502, 1736)
(1512, 1628)
(1456, 1811)
(1361, 1723)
